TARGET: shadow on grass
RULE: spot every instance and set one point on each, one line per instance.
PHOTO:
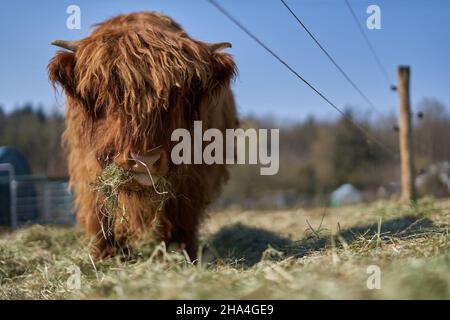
(247, 244)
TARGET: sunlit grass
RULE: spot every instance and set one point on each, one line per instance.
(291, 254)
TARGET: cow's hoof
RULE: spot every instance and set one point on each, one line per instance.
(98, 254)
(176, 247)
(207, 257)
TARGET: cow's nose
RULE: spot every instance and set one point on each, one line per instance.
(149, 167)
(144, 162)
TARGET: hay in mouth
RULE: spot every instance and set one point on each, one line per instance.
(113, 180)
(109, 183)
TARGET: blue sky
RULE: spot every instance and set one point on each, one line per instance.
(413, 32)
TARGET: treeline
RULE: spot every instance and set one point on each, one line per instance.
(315, 156)
(37, 134)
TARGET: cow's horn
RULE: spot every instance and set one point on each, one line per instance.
(219, 46)
(66, 44)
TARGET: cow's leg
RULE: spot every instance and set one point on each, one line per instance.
(184, 240)
(182, 229)
(101, 233)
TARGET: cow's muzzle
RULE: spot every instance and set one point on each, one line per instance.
(149, 167)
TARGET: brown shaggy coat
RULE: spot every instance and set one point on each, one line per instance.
(134, 80)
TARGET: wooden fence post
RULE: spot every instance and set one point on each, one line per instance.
(405, 136)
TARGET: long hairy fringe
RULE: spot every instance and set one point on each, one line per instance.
(138, 69)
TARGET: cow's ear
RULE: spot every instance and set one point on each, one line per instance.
(61, 70)
(224, 67)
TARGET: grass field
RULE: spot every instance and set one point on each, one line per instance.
(293, 254)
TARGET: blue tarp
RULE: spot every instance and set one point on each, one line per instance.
(19, 162)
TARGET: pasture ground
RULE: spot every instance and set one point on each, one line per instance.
(291, 254)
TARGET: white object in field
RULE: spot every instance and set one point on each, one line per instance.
(435, 180)
(345, 194)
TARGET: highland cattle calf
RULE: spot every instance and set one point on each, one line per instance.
(128, 85)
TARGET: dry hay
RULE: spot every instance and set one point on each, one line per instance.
(113, 179)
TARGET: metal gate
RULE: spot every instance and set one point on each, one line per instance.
(33, 199)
